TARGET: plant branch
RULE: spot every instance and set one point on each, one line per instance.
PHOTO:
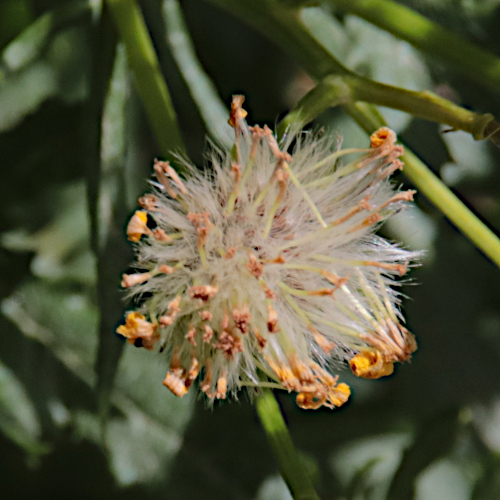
(344, 89)
(150, 84)
(292, 469)
(473, 62)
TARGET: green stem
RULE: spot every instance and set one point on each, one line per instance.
(343, 89)
(292, 469)
(320, 98)
(150, 84)
(475, 63)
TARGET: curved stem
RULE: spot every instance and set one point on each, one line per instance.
(321, 97)
(422, 104)
(150, 84)
(477, 64)
(292, 469)
(344, 89)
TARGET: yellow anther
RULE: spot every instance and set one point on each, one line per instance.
(382, 137)
(176, 383)
(137, 226)
(139, 331)
(339, 395)
(370, 364)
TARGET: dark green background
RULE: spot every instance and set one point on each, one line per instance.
(431, 431)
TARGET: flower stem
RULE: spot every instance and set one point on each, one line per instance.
(292, 469)
(477, 64)
(336, 90)
(150, 84)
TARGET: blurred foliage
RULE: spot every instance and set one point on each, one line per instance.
(76, 150)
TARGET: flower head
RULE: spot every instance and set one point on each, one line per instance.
(265, 270)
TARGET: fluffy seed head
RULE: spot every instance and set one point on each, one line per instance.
(264, 270)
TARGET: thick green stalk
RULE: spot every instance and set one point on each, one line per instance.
(473, 62)
(292, 469)
(344, 89)
(150, 84)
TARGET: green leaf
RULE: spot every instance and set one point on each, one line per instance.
(110, 210)
(15, 15)
(147, 423)
(365, 466)
(23, 92)
(201, 88)
(442, 479)
(59, 317)
(273, 488)
(30, 44)
(41, 63)
(61, 247)
(433, 440)
(471, 159)
(18, 418)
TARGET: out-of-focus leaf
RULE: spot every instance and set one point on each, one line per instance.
(361, 485)
(14, 16)
(347, 130)
(61, 247)
(140, 449)
(273, 488)
(68, 53)
(488, 485)
(366, 466)
(471, 159)
(371, 52)
(109, 207)
(65, 322)
(487, 419)
(145, 431)
(18, 418)
(140, 376)
(32, 41)
(42, 63)
(114, 198)
(326, 30)
(203, 91)
(433, 441)
(23, 92)
(415, 229)
(442, 480)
